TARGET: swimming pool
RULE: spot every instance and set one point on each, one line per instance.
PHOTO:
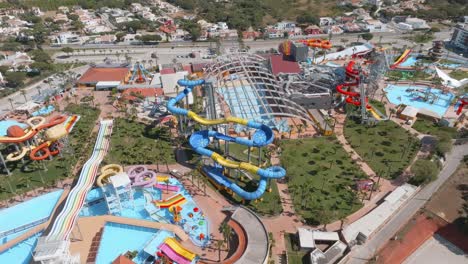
(404, 94)
(44, 111)
(411, 61)
(119, 238)
(27, 212)
(5, 124)
(140, 208)
(21, 253)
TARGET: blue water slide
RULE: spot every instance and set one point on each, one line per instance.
(199, 140)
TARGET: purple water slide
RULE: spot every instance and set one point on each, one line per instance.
(141, 176)
(173, 255)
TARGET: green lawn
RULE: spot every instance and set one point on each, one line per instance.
(459, 74)
(386, 147)
(31, 174)
(428, 127)
(295, 254)
(136, 143)
(320, 176)
(379, 105)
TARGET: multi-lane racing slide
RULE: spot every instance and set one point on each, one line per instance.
(354, 98)
(401, 59)
(175, 251)
(65, 221)
(201, 139)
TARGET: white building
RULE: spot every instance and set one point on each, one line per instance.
(404, 26)
(285, 25)
(460, 37)
(222, 26)
(417, 23)
(67, 38)
(326, 21)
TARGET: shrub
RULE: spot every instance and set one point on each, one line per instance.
(424, 172)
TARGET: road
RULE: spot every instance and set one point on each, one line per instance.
(362, 254)
(31, 91)
(169, 52)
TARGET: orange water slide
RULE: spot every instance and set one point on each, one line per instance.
(33, 130)
(317, 43)
(175, 200)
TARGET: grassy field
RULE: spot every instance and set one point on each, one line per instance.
(428, 127)
(31, 174)
(136, 143)
(379, 105)
(386, 147)
(459, 74)
(320, 177)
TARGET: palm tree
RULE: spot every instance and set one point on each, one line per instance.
(166, 182)
(226, 230)
(219, 244)
(23, 93)
(11, 103)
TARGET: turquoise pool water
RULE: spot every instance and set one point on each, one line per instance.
(5, 124)
(411, 61)
(27, 212)
(44, 111)
(402, 94)
(20, 253)
(118, 239)
(138, 209)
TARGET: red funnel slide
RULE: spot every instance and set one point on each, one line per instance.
(352, 97)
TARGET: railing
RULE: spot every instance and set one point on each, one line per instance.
(23, 227)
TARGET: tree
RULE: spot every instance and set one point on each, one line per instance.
(11, 46)
(15, 79)
(120, 36)
(424, 172)
(10, 100)
(150, 38)
(443, 145)
(23, 93)
(367, 36)
(40, 56)
(307, 18)
(219, 245)
(67, 50)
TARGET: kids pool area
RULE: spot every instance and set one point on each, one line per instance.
(421, 97)
(147, 204)
(5, 124)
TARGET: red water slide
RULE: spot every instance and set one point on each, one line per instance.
(463, 102)
(352, 97)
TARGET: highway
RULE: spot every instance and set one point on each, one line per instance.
(362, 254)
(172, 52)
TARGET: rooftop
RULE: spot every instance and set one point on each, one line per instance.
(281, 66)
(94, 75)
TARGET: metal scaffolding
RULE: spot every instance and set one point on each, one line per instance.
(247, 86)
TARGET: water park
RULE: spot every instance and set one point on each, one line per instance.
(226, 162)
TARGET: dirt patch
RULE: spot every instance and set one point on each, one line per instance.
(448, 200)
(409, 238)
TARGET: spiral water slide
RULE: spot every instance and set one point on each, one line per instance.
(141, 176)
(354, 98)
(65, 221)
(201, 139)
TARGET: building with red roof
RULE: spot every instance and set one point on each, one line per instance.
(167, 71)
(279, 65)
(132, 94)
(95, 75)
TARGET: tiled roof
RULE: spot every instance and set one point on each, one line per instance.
(279, 65)
(146, 92)
(94, 75)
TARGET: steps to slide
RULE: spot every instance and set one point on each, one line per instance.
(199, 141)
(65, 221)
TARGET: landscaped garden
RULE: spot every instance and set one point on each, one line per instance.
(431, 128)
(137, 143)
(31, 174)
(386, 147)
(320, 176)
